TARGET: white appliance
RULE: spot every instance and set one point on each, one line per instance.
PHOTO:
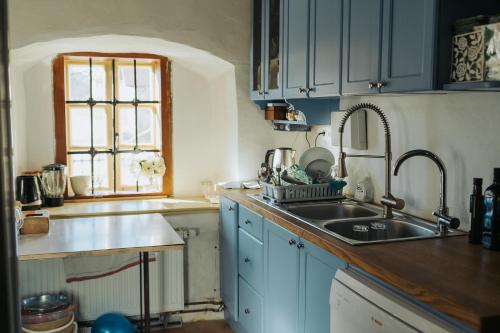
(358, 305)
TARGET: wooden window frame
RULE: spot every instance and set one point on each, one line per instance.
(59, 87)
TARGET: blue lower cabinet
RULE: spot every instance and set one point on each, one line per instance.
(228, 239)
(281, 271)
(250, 308)
(318, 269)
(250, 260)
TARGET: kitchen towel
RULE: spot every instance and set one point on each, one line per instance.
(89, 268)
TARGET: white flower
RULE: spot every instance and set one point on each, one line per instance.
(159, 166)
(147, 168)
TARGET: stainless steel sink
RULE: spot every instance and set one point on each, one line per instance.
(378, 230)
(330, 211)
(359, 223)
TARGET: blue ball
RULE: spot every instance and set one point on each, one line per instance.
(112, 323)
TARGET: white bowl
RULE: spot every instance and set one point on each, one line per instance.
(80, 184)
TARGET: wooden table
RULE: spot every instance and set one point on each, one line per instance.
(104, 235)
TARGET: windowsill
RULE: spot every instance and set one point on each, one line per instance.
(129, 206)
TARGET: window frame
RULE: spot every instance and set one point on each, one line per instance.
(165, 109)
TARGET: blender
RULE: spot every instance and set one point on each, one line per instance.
(54, 184)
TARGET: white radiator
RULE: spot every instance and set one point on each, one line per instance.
(115, 293)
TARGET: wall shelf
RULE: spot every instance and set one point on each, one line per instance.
(473, 86)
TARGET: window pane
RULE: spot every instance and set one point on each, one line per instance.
(130, 173)
(79, 126)
(145, 126)
(79, 82)
(79, 165)
(145, 83)
(102, 169)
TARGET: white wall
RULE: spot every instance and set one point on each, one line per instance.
(462, 128)
(214, 120)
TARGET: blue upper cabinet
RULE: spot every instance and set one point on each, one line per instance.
(408, 45)
(362, 33)
(281, 276)
(311, 54)
(266, 50)
(296, 20)
(228, 238)
(257, 51)
(325, 35)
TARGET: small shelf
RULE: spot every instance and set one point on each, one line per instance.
(473, 86)
(291, 126)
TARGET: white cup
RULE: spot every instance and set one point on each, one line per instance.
(80, 184)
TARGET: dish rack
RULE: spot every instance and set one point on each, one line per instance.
(293, 193)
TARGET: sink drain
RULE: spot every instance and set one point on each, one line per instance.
(378, 226)
(360, 228)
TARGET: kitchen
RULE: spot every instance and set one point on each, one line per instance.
(155, 231)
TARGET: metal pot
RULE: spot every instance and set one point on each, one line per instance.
(280, 158)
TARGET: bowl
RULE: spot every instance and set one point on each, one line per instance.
(80, 184)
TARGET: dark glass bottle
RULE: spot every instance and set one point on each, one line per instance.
(476, 212)
(491, 221)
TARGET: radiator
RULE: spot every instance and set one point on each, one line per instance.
(116, 293)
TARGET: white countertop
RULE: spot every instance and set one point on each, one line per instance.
(132, 206)
(102, 235)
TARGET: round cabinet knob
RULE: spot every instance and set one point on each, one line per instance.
(381, 84)
(246, 259)
(247, 311)
(248, 221)
(292, 241)
(302, 90)
(300, 245)
(313, 89)
(230, 208)
(371, 85)
(260, 92)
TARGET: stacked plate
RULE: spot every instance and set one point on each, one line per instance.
(317, 162)
(51, 313)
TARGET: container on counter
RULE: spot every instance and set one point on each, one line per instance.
(476, 211)
(491, 220)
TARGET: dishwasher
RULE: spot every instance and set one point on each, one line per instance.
(359, 305)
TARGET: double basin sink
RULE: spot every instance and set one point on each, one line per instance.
(358, 223)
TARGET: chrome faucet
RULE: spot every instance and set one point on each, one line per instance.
(388, 200)
(444, 221)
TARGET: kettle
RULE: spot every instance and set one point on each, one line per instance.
(28, 192)
(280, 158)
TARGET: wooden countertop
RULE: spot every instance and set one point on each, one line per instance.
(458, 279)
(163, 206)
(91, 236)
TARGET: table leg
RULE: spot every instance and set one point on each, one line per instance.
(147, 314)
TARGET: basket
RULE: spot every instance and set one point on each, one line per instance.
(293, 193)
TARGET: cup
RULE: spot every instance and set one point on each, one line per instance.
(80, 184)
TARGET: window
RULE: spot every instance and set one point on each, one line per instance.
(113, 114)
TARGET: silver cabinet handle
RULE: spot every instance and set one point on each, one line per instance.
(372, 85)
(292, 242)
(247, 311)
(381, 84)
(246, 259)
(300, 245)
(302, 90)
(247, 221)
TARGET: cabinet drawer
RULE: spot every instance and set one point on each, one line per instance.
(251, 222)
(250, 308)
(250, 260)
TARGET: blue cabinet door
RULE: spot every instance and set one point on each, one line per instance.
(325, 42)
(317, 269)
(228, 240)
(273, 50)
(281, 271)
(362, 30)
(257, 52)
(295, 55)
(408, 47)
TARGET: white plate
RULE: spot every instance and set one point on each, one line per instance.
(317, 161)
